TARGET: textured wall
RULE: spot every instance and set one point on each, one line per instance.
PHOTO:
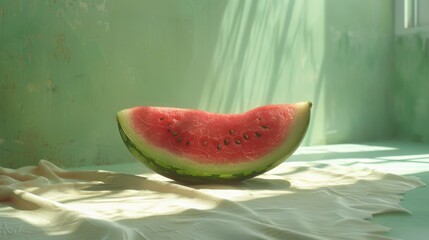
(67, 66)
(411, 87)
(358, 70)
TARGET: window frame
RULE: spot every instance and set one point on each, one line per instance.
(408, 17)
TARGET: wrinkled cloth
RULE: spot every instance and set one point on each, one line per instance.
(296, 200)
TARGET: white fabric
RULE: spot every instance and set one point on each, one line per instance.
(294, 201)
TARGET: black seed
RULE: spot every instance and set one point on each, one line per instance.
(219, 146)
(264, 127)
(237, 141)
(258, 134)
(231, 131)
(161, 119)
(226, 141)
(174, 133)
(188, 142)
(246, 136)
(180, 139)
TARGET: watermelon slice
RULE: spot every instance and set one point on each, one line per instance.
(203, 147)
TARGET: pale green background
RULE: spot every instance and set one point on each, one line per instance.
(67, 66)
(412, 86)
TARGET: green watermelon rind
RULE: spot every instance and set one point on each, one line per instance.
(184, 170)
(178, 173)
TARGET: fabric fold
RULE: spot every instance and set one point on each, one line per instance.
(296, 200)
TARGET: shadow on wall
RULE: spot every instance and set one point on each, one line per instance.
(336, 54)
(266, 52)
(411, 100)
(358, 68)
(66, 69)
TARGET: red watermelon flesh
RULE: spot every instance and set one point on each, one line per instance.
(189, 145)
(214, 138)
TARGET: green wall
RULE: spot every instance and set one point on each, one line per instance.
(358, 71)
(411, 87)
(67, 66)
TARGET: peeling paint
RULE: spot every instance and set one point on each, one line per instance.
(31, 87)
(61, 51)
(102, 7)
(84, 5)
(106, 25)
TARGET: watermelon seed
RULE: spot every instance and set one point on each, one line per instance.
(246, 136)
(174, 133)
(161, 119)
(180, 140)
(219, 146)
(264, 127)
(258, 134)
(237, 141)
(187, 142)
(226, 141)
(231, 131)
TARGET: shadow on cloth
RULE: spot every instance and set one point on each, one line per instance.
(294, 201)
